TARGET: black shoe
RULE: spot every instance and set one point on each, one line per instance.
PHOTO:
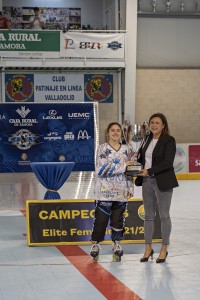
(161, 260)
(143, 259)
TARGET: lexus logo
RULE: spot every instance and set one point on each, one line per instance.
(52, 112)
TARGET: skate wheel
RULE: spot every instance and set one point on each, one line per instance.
(116, 258)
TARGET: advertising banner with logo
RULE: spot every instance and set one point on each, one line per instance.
(92, 45)
(46, 133)
(194, 158)
(98, 88)
(34, 44)
(70, 222)
(181, 159)
(58, 87)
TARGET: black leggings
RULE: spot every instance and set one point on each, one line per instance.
(105, 211)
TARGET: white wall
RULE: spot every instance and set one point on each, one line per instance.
(168, 42)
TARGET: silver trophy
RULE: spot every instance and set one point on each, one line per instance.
(168, 4)
(134, 136)
(196, 5)
(154, 3)
(139, 6)
(182, 6)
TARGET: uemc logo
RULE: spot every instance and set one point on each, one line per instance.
(83, 134)
(78, 115)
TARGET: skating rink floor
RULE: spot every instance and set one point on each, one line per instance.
(68, 272)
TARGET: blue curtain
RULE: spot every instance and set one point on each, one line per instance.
(52, 176)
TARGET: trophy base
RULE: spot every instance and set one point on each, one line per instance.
(133, 171)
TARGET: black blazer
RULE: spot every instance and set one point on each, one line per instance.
(162, 161)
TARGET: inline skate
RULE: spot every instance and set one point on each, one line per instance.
(94, 251)
(117, 251)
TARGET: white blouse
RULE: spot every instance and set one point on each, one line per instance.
(148, 154)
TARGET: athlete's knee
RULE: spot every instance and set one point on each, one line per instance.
(117, 235)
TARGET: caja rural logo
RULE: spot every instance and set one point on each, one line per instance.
(19, 88)
(99, 88)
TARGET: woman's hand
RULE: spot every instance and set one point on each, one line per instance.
(128, 195)
(143, 172)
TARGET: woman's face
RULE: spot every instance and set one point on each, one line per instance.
(156, 126)
(114, 133)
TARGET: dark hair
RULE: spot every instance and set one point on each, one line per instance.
(165, 130)
(1, 13)
(36, 9)
(110, 125)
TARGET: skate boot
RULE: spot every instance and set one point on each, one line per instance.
(117, 251)
(94, 251)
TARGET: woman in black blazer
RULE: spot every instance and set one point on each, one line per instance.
(157, 157)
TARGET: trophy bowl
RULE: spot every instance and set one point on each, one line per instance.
(133, 136)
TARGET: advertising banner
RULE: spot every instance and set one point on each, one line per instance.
(59, 87)
(181, 159)
(194, 158)
(70, 222)
(34, 44)
(92, 45)
(46, 133)
(56, 44)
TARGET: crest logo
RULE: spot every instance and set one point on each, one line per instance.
(19, 88)
(114, 45)
(23, 139)
(99, 88)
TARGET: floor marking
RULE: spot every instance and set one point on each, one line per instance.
(104, 281)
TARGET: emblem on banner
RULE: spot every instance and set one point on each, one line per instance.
(52, 115)
(83, 134)
(23, 139)
(69, 44)
(69, 136)
(99, 88)
(61, 158)
(19, 88)
(23, 112)
(24, 156)
(141, 212)
(114, 45)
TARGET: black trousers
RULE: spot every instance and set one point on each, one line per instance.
(105, 211)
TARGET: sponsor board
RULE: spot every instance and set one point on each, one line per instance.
(46, 133)
(52, 88)
(194, 158)
(54, 222)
